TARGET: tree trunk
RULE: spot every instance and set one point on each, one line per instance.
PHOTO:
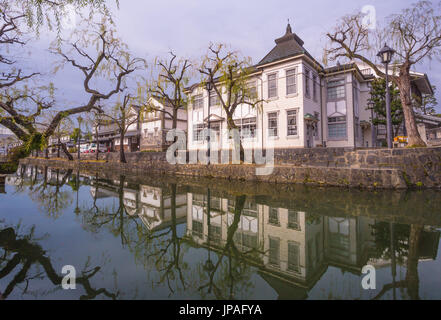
(122, 156)
(58, 147)
(174, 126)
(412, 262)
(97, 144)
(175, 118)
(78, 146)
(231, 126)
(66, 152)
(404, 85)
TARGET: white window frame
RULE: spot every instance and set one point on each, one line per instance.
(297, 269)
(345, 122)
(196, 128)
(269, 134)
(277, 240)
(239, 123)
(276, 87)
(307, 86)
(198, 97)
(336, 86)
(314, 87)
(213, 95)
(297, 123)
(294, 76)
(297, 225)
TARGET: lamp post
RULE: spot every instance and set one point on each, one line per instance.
(79, 137)
(393, 258)
(209, 87)
(373, 128)
(208, 266)
(386, 55)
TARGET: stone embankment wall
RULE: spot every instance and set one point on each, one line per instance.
(379, 168)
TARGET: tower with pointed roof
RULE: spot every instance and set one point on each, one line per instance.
(288, 46)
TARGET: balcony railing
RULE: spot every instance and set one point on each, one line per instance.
(367, 72)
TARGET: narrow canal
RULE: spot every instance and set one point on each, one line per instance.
(175, 238)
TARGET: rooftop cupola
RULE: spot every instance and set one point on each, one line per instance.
(286, 46)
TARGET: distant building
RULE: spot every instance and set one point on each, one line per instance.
(53, 143)
(149, 132)
(132, 136)
(109, 133)
(430, 129)
(156, 124)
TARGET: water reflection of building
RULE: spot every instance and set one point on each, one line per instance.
(294, 248)
(153, 205)
(348, 242)
(156, 207)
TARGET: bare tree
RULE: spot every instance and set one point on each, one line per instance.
(228, 75)
(168, 88)
(124, 115)
(415, 34)
(21, 106)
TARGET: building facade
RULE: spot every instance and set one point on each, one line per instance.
(157, 123)
(147, 130)
(305, 104)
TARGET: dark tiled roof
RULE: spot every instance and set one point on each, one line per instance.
(347, 67)
(341, 67)
(290, 45)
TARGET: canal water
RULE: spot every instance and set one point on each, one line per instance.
(175, 238)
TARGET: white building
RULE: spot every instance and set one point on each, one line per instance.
(156, 123)
(305, 104)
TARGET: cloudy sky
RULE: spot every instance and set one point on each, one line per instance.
(152, 28)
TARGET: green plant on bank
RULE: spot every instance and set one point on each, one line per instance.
(406, 179)
(36, 142)
(8, 167)
(378, 105)
(415, 146)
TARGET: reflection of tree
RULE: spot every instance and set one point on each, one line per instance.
(167, 251)
(26, 252)
(116, 220)
(411, 281)
(235, 271)
(50, 195)
(133, 234)
(383, 244)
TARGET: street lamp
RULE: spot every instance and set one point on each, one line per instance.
(373, 128)
(209, 87)
(386, 55)
(208, 266)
